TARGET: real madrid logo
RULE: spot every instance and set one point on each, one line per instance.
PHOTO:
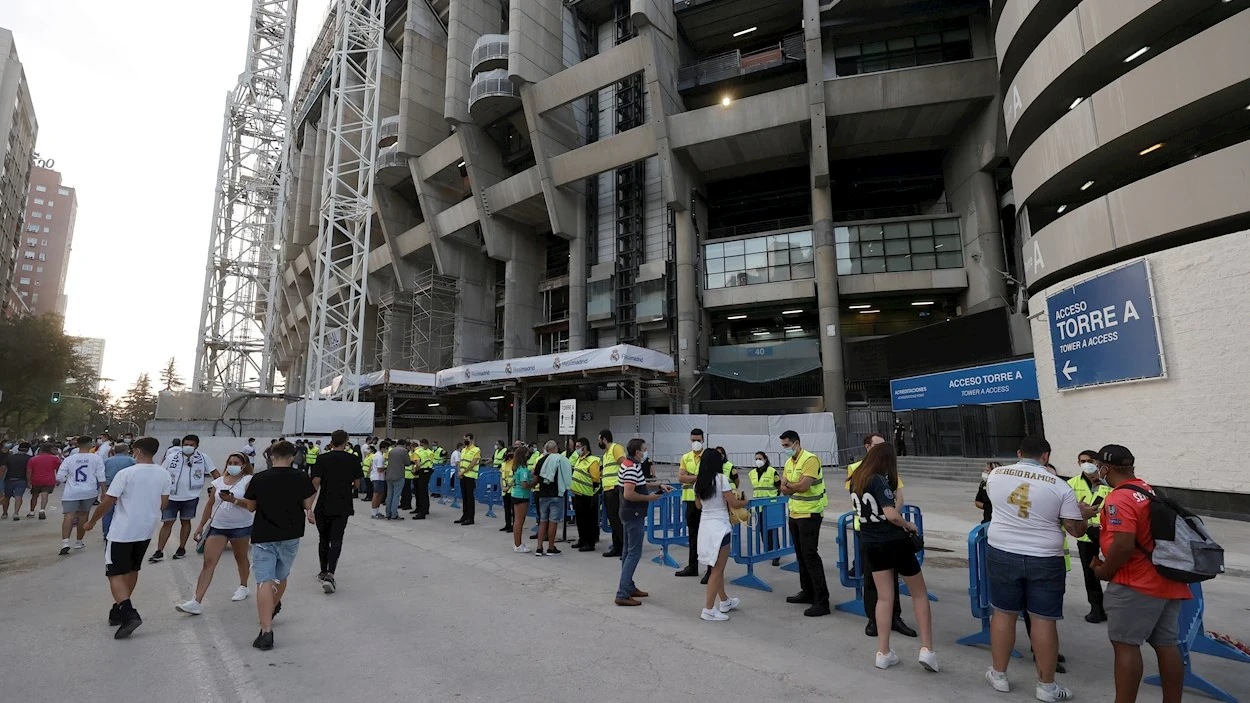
(507, 368)
(555, 363)
(616, 355)
(468, 373)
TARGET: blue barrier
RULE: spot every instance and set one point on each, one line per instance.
(453, 486)
(979, 587)
(768, 524)
(850, 572)
(666, 526)
(489, 489)
(440, 483)
(1195, 640)
(913, 515)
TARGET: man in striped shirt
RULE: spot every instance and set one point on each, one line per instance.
(635, 499)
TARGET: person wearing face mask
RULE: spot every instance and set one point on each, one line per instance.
(804, 482)
(765, 482)
(612, 456)
(870, 585)
(1091, 490)
(688, 474)
(636, 497)
(187, 469)
(585, 502)
(982, 501)
(226, 522)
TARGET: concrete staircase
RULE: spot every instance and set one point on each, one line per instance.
(945, 468)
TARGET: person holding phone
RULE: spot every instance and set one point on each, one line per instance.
(636, 497)
(1090, 490)
(226, 522)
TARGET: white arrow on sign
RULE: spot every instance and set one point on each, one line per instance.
(1068, 369)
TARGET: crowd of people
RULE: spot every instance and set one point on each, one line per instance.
(1030, 510)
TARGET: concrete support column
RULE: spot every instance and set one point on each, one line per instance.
(521, 297)
(984, 257)
(688, 312)
(579, 271)
(827, 307)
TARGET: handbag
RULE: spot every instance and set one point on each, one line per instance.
(916, 540)
(739, 516)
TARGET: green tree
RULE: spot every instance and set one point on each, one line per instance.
(36, 359)
(169, 377)
(139, 403)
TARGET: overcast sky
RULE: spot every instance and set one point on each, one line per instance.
(129, 95)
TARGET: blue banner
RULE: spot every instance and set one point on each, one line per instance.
(980, 385)
(1103, 330)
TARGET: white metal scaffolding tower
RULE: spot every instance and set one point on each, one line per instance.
(336, 343)
(245, 240)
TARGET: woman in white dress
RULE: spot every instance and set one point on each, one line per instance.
(714, 495)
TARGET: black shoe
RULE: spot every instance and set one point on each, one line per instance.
(688, 571)
(533, 536)
(277, 608)
(777, 561)
(158, 555)
(586, 548)
(506, 528)
(1060, 658)
(552, 550)
(1096, 616)
(817, 610)
(328, 585)
(460, 521)
(575, 545)
(180, 553)
(901, 628)
(264, 641)
(418, 517)
(802, 597)
(64, 550)
(115, 616)
(612, 553)
(706, 576)
(128, 627)
(871, 628)
(466, 524)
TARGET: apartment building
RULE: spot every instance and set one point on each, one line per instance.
(45, 241)
(18, 128)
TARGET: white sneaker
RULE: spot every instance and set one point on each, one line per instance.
(1054, 693)
(79, 545)
(30, 514)
(522, 549)
(928, 659)
(714, 614)
(191, 607)
(998, 681)
(727, 605)
(240, 593)
(885, 661)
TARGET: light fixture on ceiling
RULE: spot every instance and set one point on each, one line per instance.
(726, 100)
(1061, 209)
(433, 405)
(1076, 102)
(1088, 185)
(745, 31)
(1136, 54)
(1149, 149)
(922, 302)
(858, 307)
(736, 317)
(496, 397)
(461, 164)
(795, 327)
(760, 333)
(791, 312)
(868, 312)
(657, 319)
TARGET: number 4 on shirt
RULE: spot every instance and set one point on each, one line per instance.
(1020, 499)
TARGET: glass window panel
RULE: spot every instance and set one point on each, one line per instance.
(715, 265)
(928, 57)
(733, 280)
(898, 263)
(956, 35)
(799, 271)
(870, 232)
(921, 245)
(757, 275)
(714, 251)
(778, 241)
(896, 230)
(922, 228)
(800, 239)
(841, 234)
(947, 243)
(951, 260)
(873, 265)
(843, 52)
(846, 67)
(844, 250)
(923, 262)
(755, 261)
(844, 267)
(905, 61)
(871, 249)
(929, 39)
(800, 255)
(735, 248)
(896, 247)
(716, 280)
(854, 234)
(776, 258)
(735, 263)
(946, 226)
(875, 65)
(757, 245)
(901, 43)
(779, 273)
(876, 47)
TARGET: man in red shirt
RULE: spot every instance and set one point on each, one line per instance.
(42, 469)
(1141, 604)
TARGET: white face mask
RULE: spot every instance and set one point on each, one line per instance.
(234, 470)
(696, 446)
(759, 463)
(985, 475)
(188, 450)
(1090, 469)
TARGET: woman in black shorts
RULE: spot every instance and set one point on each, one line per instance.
(884, 540)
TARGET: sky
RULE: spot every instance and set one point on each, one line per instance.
(129, 96)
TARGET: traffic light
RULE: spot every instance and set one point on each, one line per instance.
(56, 397)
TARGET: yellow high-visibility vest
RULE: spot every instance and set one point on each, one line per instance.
(764, 482)
(612, 455)
(310, 456)
(689, 462)
(1085, 495)
(814, 500)
(499, 455)
(469, 459)
(583, 471)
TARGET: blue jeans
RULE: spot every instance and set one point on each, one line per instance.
(393, 490)
(631, 554)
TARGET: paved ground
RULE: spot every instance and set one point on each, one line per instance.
(434, 612)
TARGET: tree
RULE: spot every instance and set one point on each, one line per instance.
(169, 377)
(139, 403)
(36, 359)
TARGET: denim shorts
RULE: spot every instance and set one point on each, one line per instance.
(1021, 583)
(551, 509)
(69, 507)
(184, 509)
(14, 489)
(379, 487)
(231, 532)
(272, 561)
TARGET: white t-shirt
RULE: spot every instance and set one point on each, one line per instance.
(455, 458)
(188, 474)
(82, 475)
(228, 516)
(378, 467)
(713, 523)
(138, 490)
(715, 507)
(1029, 502)
(104, 450)
(248, 451)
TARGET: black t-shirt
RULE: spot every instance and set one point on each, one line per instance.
(16, 463)
(871, 510)
(546, 489)
(987, 509)
(338, 471)
(279, 494)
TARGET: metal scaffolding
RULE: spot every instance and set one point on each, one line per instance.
(232, 350)
(335, 347)
(395, 340)
(630, 193)
(433, 321)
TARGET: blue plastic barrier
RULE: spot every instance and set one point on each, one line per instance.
(489, 489)
(912, 514)
(1195, 640)
(666, 526)
(850, 572)
(979, 587)
(768, 519)
(440, 483)
(453, 486)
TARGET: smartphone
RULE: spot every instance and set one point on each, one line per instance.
(1098, 501)
(225, 493)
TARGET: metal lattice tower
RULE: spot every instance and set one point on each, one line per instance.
(232, 351)
(336, 347)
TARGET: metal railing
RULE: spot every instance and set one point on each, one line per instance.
(736, 63)
(881, 213)
(761, 226)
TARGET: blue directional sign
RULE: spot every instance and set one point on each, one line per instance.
(980, 385)
(1103, 330)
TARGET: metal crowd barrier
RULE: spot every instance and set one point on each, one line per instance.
(1195, 640)
(850, 561)
(440, 483)
(766, 538)
(489, 489)
(912, 514)
(979, 587)
(666, 526)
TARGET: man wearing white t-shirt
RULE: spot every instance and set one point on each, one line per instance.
(136, 495)
(189, 469)
(83, 476)
(377, 479)
(1032, 509)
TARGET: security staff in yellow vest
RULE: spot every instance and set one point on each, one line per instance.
(870, 586)
(586, 476)
(1090, 489)
(423, 468)
(612, 455)
(470, 458)
(310, 456)
(764, 484)
(410, 477)
(803, 480)
(366, 486)
(688, 473)
(440, 454)
(501, 453)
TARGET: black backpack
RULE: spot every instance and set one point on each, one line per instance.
(1184, 550)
